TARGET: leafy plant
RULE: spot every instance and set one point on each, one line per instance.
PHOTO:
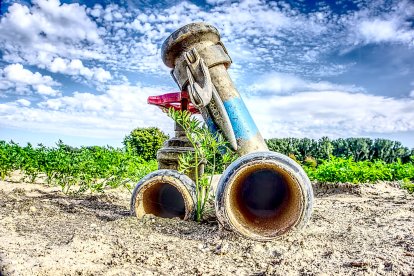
(408, 185)
(211, 150)
(6, 162)
(359, 149)
(93, 169)
(75, 170)
(347, 170)
(145, 141)
(310, 162)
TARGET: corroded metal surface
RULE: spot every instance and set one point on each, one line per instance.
(147, 196)
(169, 154)
(185, 38)
(204, 96)
(291, 214)
(213, 55)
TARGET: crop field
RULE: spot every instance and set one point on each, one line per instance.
(87, 168)
(94, 169)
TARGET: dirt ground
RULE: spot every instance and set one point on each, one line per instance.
(353, 231)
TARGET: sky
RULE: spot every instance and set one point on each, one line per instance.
(82, 71)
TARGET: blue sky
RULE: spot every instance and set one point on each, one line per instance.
(81, 71)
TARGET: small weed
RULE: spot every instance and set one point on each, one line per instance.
(209, 149)
(408, 185)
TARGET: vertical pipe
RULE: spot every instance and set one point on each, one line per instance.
(204, 38)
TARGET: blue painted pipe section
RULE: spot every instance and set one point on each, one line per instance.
(242, 122)
(212, 127)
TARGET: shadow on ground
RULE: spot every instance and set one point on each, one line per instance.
(101, 206)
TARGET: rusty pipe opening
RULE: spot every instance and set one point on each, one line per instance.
(164, 193)
(163, 200)
(264, 200)
(264, 195)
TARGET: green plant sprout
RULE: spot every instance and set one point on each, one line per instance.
(209, 150)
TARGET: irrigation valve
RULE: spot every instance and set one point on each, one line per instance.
(263, 194)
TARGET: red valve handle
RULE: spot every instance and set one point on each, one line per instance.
(176, 100)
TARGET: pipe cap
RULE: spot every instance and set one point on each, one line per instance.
(184, 37)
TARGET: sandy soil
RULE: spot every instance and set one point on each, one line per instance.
(353, 231)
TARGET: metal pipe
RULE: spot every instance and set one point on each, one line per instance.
(164, 193)
(206, 40)
(263, 194)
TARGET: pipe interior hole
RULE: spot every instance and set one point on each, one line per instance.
(164, 200)
(263, 192)
(265, 200)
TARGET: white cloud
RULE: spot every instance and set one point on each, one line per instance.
(101, 75)
(377, 30)
(123, 107)
(279, 83)
(17, 77)
(215, 2)
(330, 113)
(97, 43)
(48, 21)
(23, 102)
(366, 26)
(16, 73)
(258, 34)
(46, 90)
(291, 106)
(49, 32)
(112, 114)
(246, 26)
(76, 67)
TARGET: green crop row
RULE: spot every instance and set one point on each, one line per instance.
(360, 149)
(94, 168)
(341, 170)
(74, 169)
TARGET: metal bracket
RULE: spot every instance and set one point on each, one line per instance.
(212, 56)
(200, 95)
